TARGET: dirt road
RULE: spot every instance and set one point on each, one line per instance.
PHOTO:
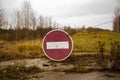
(50, 69)
(75, 76)
(42, 63)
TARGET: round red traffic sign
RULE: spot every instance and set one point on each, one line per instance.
(57, 45)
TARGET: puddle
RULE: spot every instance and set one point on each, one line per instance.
(42, 63)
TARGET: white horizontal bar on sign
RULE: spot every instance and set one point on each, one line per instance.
(58, 45)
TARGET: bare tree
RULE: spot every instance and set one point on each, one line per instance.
(17, 23)
(33, 21)
(56, 25)
(17, 20)
(25, 17)
(49, 21)
(116, 22)
(2, 17)
(41, 22)
(46, 22)
(33, 24)
(27, 12)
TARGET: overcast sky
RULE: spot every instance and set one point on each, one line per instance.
(75, 13)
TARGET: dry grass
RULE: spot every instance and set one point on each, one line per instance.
(84, 42)
(21, 49)
(88, 41)
(18, 72)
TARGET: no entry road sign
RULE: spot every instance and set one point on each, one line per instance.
(57, 45)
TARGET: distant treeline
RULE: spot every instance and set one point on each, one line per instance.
(39, 33)
(25, 25)
(22, 34)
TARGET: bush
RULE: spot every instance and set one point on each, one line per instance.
(115, 55)
(17, 72)
(101, 54)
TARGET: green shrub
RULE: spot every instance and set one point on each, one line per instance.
(17, 72)
(115, 55)
(101, 54)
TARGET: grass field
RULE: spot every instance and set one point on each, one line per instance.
(83, 42)
(21, 49)
(88, 41)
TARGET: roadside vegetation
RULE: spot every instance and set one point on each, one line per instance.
(18, 72)
(93, 51)
(84, 42)
(20, 49)
(88, 41)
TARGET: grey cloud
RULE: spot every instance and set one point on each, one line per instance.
(118, 1)
(97, 8)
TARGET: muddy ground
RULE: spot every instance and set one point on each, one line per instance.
(65, 70)
(75, 76)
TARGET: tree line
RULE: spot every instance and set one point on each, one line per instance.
(25, 18)
(25, 25)
(116, 21)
